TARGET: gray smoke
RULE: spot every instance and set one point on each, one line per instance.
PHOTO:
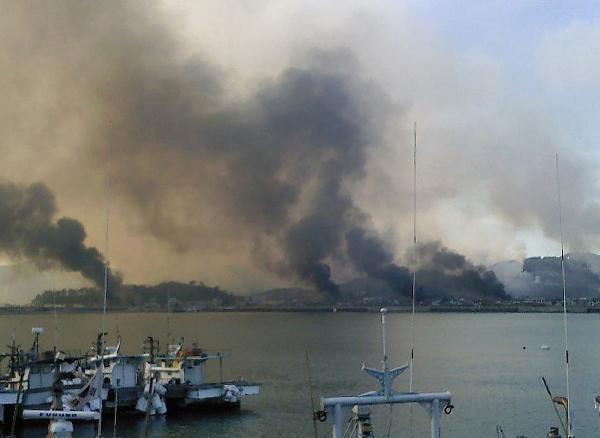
(28, 230)
(444, 272)
(195, 164)
(280, 159)
(440, 271)
(370, 255)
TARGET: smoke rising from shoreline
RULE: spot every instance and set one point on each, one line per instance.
(267, 173)
(440, 271)
(28, 231)
(195, 165)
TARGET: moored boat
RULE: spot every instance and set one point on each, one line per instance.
(182, 372)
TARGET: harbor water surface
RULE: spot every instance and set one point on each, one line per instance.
(491, 363)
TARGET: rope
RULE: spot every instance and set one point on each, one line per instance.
(389, 428)
(351, 423)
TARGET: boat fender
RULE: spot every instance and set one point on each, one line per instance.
(448, 409)
(141, 404)
(232, 393)
(158, 405)
(160, 389)
(60, 428)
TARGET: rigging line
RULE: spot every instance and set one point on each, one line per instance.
(350, 428)
(389, 428)
(414, 282)
(564, 285)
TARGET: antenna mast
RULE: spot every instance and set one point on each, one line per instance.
(564, 284)
(106, 276)
(414, 282)
(106, 268)
(55, 321)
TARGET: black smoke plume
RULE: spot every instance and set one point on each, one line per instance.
(369, 254)
(28, 230)
(443, 272)
(267, 172)
(282, 158)
(440, 273)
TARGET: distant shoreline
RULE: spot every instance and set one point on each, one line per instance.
(517, 308)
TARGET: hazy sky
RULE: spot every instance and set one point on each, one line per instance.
(496, 88)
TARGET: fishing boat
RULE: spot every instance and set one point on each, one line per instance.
(32, 374)
(66, 408)
(123, 375)
(182, 373)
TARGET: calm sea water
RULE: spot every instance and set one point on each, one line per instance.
(479, 358)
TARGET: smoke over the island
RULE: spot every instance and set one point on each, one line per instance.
(444, 272)
(214, 176)
(541, 277)
(274, 167)
(28, 231)
(440, 272)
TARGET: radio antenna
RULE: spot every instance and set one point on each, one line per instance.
(414, 282)
(564, 286)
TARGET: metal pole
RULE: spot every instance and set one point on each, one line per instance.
(101, 371)
(115, 413)
(221, 368)
(148, 406)
(435, 419)
(414, 285)
(383, 312)
(106, 275)
(337, 421)
(310, 393)
(564, 285)
(18, 404)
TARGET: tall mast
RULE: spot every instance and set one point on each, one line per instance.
(414, 282)
(564, 285)
(106, 276)
(106, 248)
(55, 320)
